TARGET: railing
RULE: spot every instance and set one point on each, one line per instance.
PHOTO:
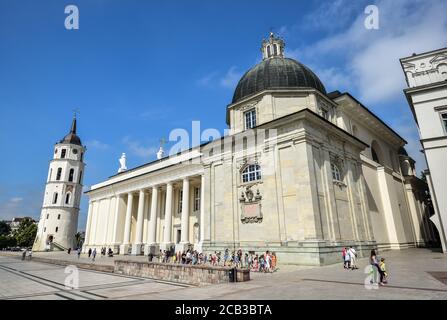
(58, 246)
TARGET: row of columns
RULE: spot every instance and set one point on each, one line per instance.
(136, 247)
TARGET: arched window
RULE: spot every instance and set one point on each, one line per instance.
(275, 49)
(70, 176)
(376, 152)
(354, 131)
(374, 155)
(67, 198)
(64, 152)
(251, 173)
(80, 177)
(59, 174)
(269, 52)
(336, 176)
(55, 198)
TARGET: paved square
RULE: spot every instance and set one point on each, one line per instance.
(413, 274)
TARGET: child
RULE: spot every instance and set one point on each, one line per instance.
(384, 273)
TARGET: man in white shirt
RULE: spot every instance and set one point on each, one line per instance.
(353, 254)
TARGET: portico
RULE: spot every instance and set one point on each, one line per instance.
(155, 214)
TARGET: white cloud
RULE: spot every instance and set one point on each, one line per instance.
(156, 113)
(208, 79)
(96, 144)
(231, 78)
(371, 57)
(136, 148)
(228, 80)
(27, 206)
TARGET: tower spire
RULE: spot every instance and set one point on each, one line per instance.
(73, 125)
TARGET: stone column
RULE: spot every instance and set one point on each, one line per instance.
(136, 247)
(168, 217)
(152, 232)
(116, 229)
(126, 241)
(202, 209)
(94, 225)
(107, 221)
(184, 241)
(88, 227)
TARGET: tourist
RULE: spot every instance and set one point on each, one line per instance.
(79, 252)
(89, 252)
(353, 257)
(384, 273)
(274, 261)
(246, 264)
(24, 254)
(261, 263)
(250, 260)
(375, 266)
(343, 254)
(267, 259)
(94, 254)
(347, 259)
(110, 252)
(69, 250)
(30, 252)
(255, 264)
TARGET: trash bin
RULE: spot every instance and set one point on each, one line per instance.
(232, 275)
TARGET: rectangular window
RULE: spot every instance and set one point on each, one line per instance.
(58, 217)
(444, 121)
(64, 152)
(196, 199)
(57, 228)
(48, 215)
(180, 201)
(250, 119)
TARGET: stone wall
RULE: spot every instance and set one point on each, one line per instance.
(188, 274)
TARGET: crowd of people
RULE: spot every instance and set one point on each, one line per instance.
(265, 262)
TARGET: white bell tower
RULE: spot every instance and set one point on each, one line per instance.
(59, 217)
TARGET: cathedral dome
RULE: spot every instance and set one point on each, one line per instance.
(276, 72)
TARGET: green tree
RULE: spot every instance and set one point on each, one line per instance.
(79, 237)
(26, 233)
(5, 229)
(7, 241)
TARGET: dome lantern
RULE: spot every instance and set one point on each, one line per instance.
(272, 47)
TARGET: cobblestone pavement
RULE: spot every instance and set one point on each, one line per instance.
(413, 274)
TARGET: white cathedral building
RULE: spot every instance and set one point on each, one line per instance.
(324, 173)
(59, 216)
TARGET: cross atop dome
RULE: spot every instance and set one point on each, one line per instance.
(272, 47)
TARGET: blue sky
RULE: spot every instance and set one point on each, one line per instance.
(138, 69)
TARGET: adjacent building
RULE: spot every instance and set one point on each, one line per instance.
(426, 76)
